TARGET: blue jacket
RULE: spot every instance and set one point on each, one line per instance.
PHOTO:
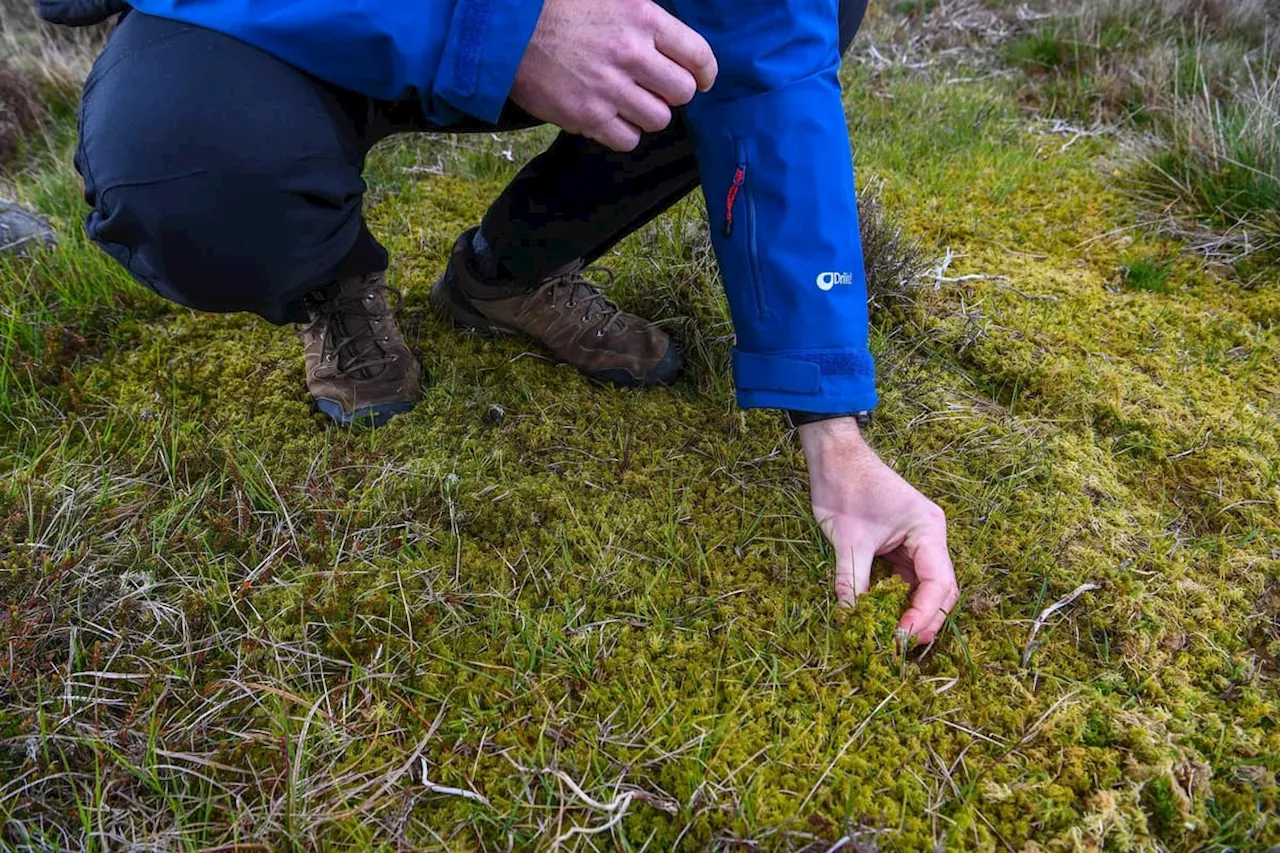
(771, 141)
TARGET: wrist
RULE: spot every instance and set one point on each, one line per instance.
(841, 435)
(835, 450)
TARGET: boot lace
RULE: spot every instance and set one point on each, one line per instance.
(352, 320)
(573, 287)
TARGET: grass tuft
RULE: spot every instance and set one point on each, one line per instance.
(1222, 160)
(1146, 275)
(894, 261)
(1197, 80)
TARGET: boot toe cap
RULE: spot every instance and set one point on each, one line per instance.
(662, 373)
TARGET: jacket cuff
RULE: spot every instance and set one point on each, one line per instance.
(819, 382)
(794, 419)
(486, 43)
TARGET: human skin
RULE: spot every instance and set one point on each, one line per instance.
(614, 70)
(611, 70)
(866, 511)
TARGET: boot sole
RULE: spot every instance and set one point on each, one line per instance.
(454, 306)
(370, 416)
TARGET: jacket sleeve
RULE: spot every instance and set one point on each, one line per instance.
(486, 43)
(772, 146)
(459, 56)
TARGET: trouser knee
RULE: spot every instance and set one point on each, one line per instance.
(226, 242)
(220, 177)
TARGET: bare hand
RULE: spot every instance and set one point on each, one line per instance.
(866, 511)
(611, 69)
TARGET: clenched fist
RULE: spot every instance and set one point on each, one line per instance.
(611, 69)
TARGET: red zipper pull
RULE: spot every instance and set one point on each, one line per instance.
(739, 177)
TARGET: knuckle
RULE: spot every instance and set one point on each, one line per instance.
(650, 16)
(630, 53)
(703, 55)
(618, 136)
(597, 115)
(578, 115)
(660, 118)
(684, 90)
(936, 515)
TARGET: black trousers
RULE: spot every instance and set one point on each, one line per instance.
(227, 180)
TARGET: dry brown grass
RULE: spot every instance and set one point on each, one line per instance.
(1190, 86)
(21, 110)
(894, 261)
(1248, 18)
(41, 67)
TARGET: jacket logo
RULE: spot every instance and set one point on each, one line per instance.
(828, 280)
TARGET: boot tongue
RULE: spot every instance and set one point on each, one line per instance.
(362, 344)
(593, 301)
(351, 325)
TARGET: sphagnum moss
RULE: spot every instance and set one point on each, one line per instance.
(243, 627)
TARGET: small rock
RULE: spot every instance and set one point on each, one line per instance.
(20, 229)
(495, 415)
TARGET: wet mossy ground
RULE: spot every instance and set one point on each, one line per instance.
(228, 623)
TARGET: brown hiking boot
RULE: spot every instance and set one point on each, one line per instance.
(566, 314)
(359, 368)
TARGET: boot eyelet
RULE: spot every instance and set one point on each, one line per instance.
(571, 303)
(599, 333)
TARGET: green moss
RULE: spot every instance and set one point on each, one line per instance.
(628, 587)
(1161, 805)
(1098, 731)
